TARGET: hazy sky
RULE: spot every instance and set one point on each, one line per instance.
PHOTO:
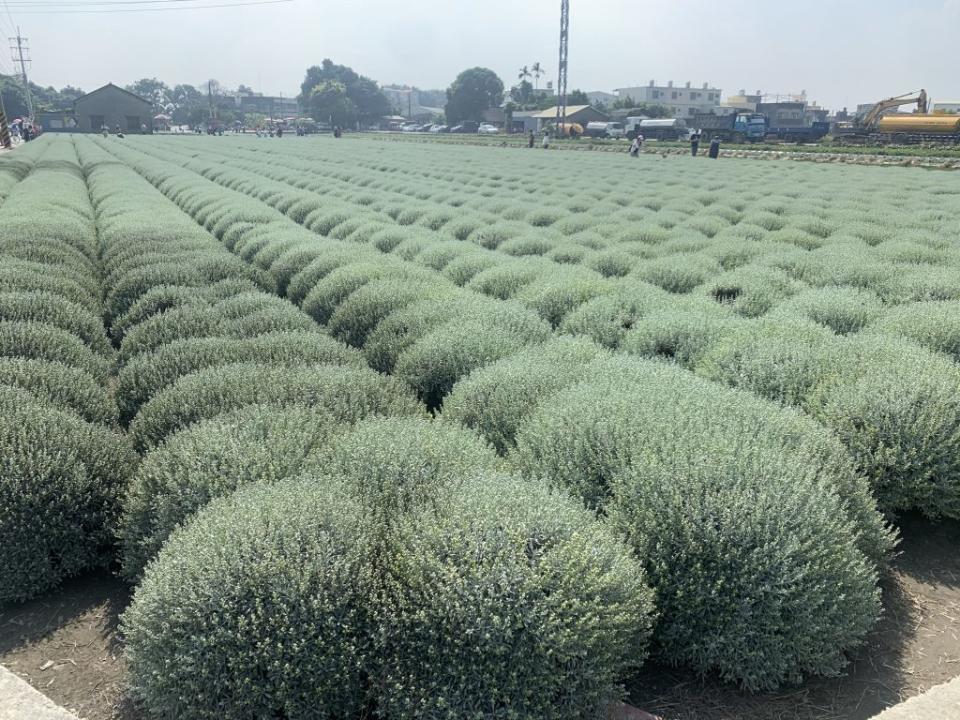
(841, 52)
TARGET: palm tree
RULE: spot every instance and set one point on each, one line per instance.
(537, 71)
(524, 73)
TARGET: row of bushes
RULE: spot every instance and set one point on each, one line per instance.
(383, 306)
(402, 575)
(201, 343)
(690, 236)
(760, 539)
(335, 573)
(409, 322)
(64, 463)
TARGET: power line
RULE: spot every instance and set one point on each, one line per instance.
(154, 9)
(43, 3)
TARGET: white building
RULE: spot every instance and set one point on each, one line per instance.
(683, 101)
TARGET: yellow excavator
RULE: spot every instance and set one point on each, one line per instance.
(921, 126)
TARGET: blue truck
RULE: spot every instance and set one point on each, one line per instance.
(754, 127)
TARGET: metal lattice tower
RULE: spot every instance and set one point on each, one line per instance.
(18, 48)
(562, 72)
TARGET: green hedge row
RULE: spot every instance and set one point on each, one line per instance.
(64, 464)
(402, 575)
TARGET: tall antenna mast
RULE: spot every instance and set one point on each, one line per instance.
(562, 72)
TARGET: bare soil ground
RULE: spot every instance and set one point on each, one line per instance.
(66, 645)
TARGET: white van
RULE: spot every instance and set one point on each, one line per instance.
(605, 130)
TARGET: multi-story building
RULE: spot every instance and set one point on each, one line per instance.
(683, 102)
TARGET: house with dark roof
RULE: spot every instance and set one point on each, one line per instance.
(113, 107)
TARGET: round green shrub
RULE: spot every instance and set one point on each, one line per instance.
(746, 517)
(606, 319)
(149, 373)
(933, 325)
(680, 334)
(897, 411)
(751, 290)
(42, 307)
(495, 399)
(26, 277)
(679, 273)
(393, 464)
(348, 393)
(38, 341)
(510, 602)
(434, 363)
(357, 316)
(842, 309)
(60, 479)
(402, 328)
(555, 296)
(780, 360)
(210, 459)
(64, 387)
(258, 608)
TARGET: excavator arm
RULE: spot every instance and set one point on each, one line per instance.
(873, 117)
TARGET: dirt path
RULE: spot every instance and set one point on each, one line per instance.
(66, 646)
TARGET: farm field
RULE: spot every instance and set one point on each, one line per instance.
(429, 430)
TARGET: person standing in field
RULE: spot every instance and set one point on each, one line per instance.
(714, 148)
(530, 140)
(636, 145)
(546, 140)
(694, 143)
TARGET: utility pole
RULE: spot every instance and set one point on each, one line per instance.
(562, 72)
(18, 48)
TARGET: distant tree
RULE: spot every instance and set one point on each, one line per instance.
(254, 120)
(14, 98)
(366, 99)
(524, 74)
(245, 90)
(329, 102)
(522, 92)
(537, 70)
(156, 91)
(474, 91)
(578, 97)
(623, 103)
(189, 105)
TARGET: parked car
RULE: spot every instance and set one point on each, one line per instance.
(487, 129)
(410, 127)
(440, 129)
(466, 127)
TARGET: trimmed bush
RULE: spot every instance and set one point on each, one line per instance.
(59, 487)
(933, 325)
(751, 290)
(149, 373)
(357, 316)
(211, 459)
(64, 387)
(394, 464)
(496, 398)
(511, 602)
(348, 393)
(896, 408)
(42, 307)
(434, 363)
(606, 319)
(257, 609)
(843, 310)
(749, 501)
(37, 341)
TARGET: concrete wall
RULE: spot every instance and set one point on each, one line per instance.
(112, 106)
